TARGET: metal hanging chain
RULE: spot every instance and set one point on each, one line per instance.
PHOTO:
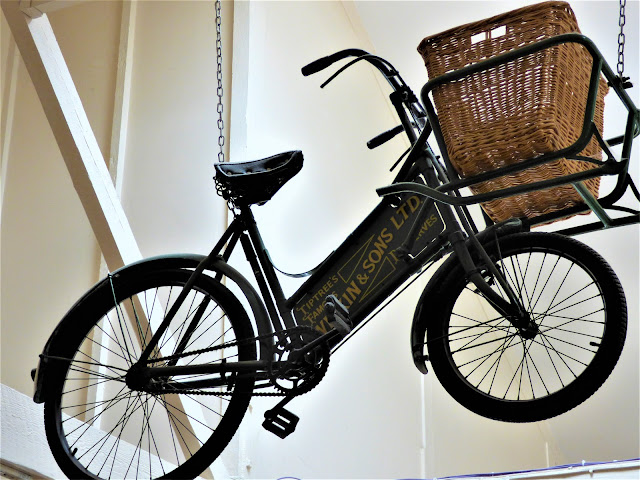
(220, 91)
(621, 37)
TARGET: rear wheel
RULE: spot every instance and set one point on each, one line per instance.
(494, 369)
(100, 423)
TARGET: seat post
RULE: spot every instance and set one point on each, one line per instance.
(263, 270)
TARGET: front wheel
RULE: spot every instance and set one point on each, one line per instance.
(100, 424)
(496, 370)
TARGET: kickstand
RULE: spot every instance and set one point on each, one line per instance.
(279, 420)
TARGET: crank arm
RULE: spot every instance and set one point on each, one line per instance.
(298, 352)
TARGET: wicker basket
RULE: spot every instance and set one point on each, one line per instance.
(519, 110)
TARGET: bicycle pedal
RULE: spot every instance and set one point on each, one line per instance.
(338, 315)
(280, 421)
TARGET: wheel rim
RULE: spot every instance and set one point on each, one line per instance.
(495, 359)
(111, 430)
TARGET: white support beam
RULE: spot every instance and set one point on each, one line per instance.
(10, 82)
(37, 8)
(120, 122)
(62, 106)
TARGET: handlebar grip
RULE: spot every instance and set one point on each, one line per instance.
(324, 62)
(384, 137)
(317, 65)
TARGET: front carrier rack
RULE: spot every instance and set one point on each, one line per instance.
(449, 191)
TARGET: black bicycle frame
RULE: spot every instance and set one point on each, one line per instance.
(421, 217)
(398, 238)
(401, 235)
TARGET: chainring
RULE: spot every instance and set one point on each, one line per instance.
(296, 374)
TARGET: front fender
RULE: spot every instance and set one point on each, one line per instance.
(182, 261)
(431, 292)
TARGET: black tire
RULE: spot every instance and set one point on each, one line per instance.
(98, 427)
(479, 357)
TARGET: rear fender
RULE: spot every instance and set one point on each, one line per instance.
(56, 340)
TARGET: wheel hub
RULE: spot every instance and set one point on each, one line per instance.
(137, 378)
(527, 328)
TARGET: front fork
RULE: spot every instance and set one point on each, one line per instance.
(513, 310)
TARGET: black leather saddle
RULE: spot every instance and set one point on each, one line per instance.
(255, 182)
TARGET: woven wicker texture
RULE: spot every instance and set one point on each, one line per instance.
(516, 111)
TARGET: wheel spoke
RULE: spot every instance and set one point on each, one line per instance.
(142, 336)
(112, 425)
(549, 313)
(90, 421)
(487, 355)
(546, 283)
(496, 363)
(549, 347)
(129, 411)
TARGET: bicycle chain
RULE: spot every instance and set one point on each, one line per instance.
(258, 338)
(235, 343)
(214, 394)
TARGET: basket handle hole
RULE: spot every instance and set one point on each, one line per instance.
(499, 32)
(478, 37)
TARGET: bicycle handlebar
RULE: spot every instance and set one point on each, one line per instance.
(324, 62)
(390, 73)
(403, 94)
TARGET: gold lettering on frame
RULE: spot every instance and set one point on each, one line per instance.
(403, 211)
(428, 223)
(368, 265)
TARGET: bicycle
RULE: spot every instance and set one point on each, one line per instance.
(151, 372)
